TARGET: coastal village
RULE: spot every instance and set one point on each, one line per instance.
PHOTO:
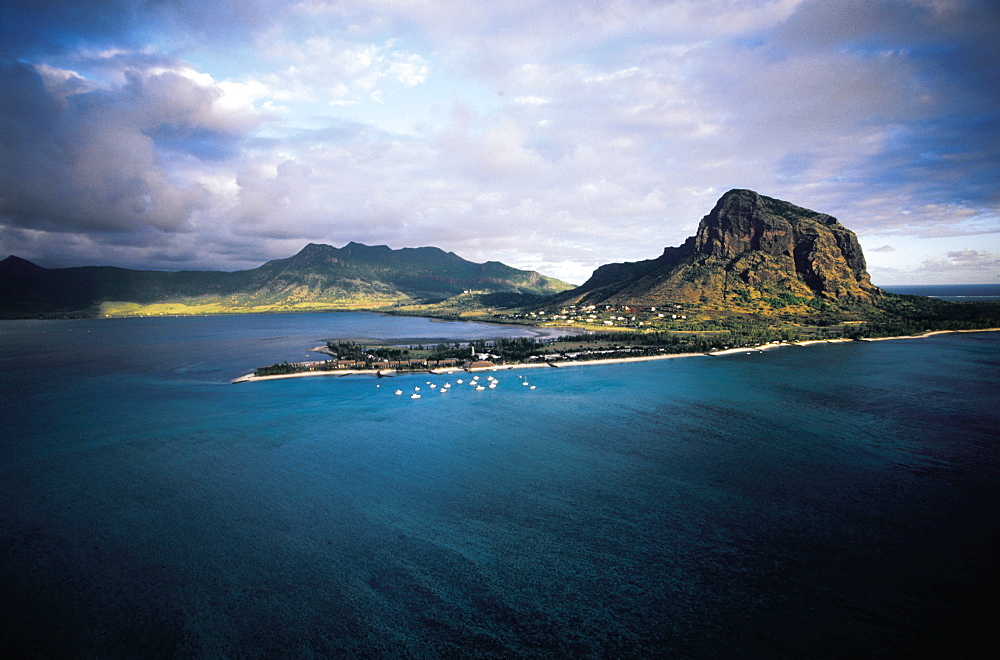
(605, 316)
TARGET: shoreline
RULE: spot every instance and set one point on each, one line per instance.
(930, 333)
(249, 378)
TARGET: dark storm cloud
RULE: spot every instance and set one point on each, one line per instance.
(77, 157)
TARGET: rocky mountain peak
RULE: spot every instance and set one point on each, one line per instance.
(739, 223)
(750, 249)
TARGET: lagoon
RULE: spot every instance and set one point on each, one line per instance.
(831, 499)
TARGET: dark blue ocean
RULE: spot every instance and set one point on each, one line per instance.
(837, 500)
(950, 292)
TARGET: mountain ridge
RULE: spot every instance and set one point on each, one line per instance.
(319, 276)
(751, 255)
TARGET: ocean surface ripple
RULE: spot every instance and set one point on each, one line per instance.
(835, 500)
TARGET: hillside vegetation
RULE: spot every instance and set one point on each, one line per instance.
(319, 277)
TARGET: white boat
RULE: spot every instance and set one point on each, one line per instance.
(414, 396)
(532, 387)
(480, 388)
(398, 392)
(459, 381)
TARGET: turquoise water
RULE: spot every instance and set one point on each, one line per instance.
(836, 499)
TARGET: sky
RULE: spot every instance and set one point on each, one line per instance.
(550, 135)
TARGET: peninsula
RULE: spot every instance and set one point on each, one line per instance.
(561, 353)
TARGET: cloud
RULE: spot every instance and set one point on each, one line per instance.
(337, 70)
(964, 260)
(565, 135)
(82, 157)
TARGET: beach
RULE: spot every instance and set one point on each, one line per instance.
(931, 333)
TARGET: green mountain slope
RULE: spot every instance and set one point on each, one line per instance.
(318, 277)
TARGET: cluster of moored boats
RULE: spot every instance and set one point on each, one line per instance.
(490, 383)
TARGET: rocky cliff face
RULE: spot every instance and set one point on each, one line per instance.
(750, 251)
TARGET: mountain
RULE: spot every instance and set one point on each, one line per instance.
(356, 276)
(750, 253)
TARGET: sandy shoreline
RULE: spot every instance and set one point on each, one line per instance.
(933, 332)
(573, 363)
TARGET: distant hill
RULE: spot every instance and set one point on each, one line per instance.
(355, 276)
(751, 253)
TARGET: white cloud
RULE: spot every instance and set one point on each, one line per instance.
(337, 70)
(964, 260)
(408, 68)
